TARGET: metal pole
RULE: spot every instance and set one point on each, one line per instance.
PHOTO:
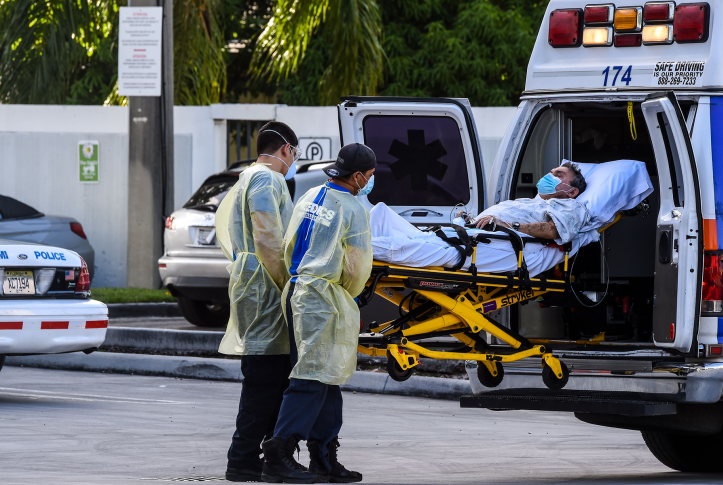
(150, 165)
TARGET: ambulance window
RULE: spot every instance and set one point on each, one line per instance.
(671, 150)
(602, 135)
(420, 161)
(542, 154)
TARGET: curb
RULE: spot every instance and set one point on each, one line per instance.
(230, 370)
(162, 339)
(149, 339)
(125, 310)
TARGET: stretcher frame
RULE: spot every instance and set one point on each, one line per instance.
(458, 304)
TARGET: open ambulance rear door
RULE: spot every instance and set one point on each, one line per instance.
(428, 154)
(679, 246)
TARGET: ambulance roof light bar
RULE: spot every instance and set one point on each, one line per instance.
(605, 25)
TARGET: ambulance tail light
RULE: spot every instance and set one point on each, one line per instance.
(628, 19)
(565, 28)
(691, 23)
(658, 34)
(658, 12)
(715, 351)
(84, 278)
(599, 14)
(628, 40)
(170, 223)
(597, 36)
(712, 283)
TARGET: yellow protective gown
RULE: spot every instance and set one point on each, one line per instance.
(250, 224)
(328, 245)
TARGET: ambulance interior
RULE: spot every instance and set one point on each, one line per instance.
(624, 259)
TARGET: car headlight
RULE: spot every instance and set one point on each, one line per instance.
(43, 280)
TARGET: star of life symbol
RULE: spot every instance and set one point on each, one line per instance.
(418, 160)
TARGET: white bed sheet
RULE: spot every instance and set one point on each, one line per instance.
(612, 186)
(396, 241)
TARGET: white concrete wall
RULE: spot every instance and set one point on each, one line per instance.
(39, 164)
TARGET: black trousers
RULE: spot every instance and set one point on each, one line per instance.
(311, 410)
(266, 377)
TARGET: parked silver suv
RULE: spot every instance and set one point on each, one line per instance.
(193, 267)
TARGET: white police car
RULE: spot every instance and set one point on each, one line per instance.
(45, 304)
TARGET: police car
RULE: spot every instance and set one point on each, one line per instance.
(608, 81)
(45, 303)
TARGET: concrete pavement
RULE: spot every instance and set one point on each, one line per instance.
(89, 428)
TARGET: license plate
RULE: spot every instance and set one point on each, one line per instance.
(207, 236)
(19, 283)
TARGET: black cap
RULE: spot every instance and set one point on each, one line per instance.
(354, 157)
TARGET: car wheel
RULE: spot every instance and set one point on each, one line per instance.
(2, 361)
(686, 453)
(204, 313)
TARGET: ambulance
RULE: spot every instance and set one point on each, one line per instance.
(605, 82)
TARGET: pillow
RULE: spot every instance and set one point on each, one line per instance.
(612, 187)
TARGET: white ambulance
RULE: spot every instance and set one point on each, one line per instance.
(605, 82)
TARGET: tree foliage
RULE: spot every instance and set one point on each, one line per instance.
(57, 51)
(309, 52)
(352, 37)
(476, 49)
(66, 51)
(199, 66)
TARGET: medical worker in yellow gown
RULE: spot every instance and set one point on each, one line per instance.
(250, 224)
(329, 255)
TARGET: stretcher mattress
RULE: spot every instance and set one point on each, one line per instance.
(612, 186)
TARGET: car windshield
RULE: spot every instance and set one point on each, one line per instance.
(210, 195)
(14, 209)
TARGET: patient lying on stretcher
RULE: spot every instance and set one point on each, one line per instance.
(573, 209)
(553, 214)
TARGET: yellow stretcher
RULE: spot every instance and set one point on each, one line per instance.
(455, 303)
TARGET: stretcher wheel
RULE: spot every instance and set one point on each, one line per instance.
(395, 371)
(486, 378)
(551, 380)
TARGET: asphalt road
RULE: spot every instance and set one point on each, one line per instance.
(86, 428)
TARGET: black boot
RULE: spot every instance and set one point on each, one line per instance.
(279, 463)
(243, 474)
(338, 473)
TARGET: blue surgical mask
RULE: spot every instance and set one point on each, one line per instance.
(548, 184)
(292, 171)
(368, 187)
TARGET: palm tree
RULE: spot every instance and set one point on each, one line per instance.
(64, 51)
(351, 28)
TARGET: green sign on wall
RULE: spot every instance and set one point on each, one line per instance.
(88, 161)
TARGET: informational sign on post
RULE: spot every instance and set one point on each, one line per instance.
(315, 148)
(88, 161)
(139, 51)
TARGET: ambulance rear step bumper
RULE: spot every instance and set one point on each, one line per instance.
(689, 382)
(621, 403)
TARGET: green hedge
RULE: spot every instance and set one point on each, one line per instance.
(131, 295)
